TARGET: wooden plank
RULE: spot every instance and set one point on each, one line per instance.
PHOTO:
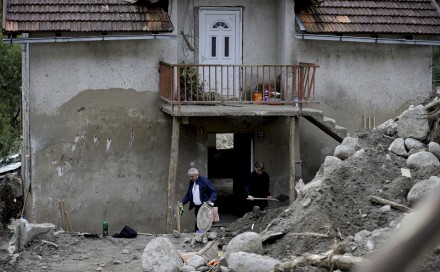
(172, 173)
(395, 205)
(292, 158)
(177, 217)
(63, 223)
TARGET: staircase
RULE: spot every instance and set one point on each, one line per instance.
(326, 124)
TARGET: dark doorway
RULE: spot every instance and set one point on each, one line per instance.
(229, 162)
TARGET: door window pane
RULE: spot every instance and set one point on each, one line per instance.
(220, 25)
(213, 47)
(226, 47)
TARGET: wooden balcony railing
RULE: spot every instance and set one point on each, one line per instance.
(186, 84)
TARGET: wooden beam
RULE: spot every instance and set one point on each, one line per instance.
(292, 158)
(395, 205)
(172, 173)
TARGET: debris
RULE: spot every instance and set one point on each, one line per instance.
(319, 235)
(332, 259)
(271, 236)
(395, 205)
(49, 243)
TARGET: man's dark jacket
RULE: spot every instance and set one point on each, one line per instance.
(206, 189)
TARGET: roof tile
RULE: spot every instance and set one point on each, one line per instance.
(368, 16)
(84, 16)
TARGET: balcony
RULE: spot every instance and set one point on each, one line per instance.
(250, 87)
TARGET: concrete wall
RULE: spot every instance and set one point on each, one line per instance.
(356, 80)
(98, 139)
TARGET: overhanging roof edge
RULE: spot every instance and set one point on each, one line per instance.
(90, 38)
(365, 39)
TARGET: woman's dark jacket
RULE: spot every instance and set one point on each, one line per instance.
(206, 189)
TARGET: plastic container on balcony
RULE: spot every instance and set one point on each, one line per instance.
(257, 98)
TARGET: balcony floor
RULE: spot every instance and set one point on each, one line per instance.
(237, 110)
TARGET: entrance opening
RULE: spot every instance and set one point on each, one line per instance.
(229, 162)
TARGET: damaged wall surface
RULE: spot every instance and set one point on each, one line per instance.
(98, 139)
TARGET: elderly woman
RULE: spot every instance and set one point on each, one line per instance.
(200, 190)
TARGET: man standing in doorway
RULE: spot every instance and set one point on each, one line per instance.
(257, 186)
(200, 190)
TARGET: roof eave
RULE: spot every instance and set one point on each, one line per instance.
(342, 38)
(26, 39)
(300, 23)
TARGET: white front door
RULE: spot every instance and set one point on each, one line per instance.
(220, 43)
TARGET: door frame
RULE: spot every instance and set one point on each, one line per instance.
(239, 30)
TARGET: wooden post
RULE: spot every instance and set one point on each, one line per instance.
(177, 217)
(292, 158)
(172, 172)
(63, 222)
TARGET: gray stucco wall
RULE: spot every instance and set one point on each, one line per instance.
(372, 79)
(98, 139)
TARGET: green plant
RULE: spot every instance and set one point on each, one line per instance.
(10, 97)
(210, 96)
(190, 87)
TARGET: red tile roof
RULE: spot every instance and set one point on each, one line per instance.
(84, 16)
(407, 17)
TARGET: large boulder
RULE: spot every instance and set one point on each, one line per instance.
(411, 143)
(250, 262)
(423, 158)
(413, 123)
(398, 147)
(434, 148)
(247, 241)
(347, 148)
(331, 164)
(343, 152)
(423, 189)
(389, 127)
(160, 255)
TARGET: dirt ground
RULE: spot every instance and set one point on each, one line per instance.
(341, 208)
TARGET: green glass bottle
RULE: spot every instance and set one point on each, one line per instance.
(105, 228)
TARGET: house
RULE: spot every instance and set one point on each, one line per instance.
(120, 97)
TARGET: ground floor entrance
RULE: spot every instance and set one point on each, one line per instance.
(230, 157)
